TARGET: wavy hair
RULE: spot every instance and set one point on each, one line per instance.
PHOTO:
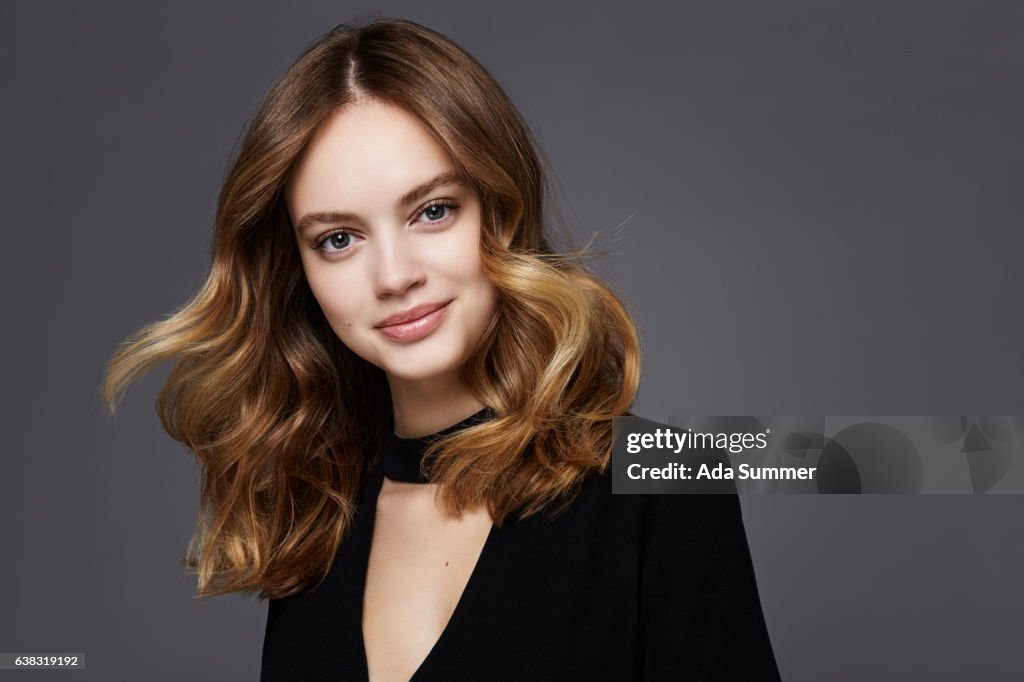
(286, 422)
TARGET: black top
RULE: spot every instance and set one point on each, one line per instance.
(618, 587)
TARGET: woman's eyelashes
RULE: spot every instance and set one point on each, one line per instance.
(436, 212)
(338, 241)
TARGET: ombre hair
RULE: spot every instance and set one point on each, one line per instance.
(286, 422)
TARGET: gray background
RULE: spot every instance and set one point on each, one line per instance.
(824, 218)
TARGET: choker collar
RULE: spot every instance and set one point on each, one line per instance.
(400, 458)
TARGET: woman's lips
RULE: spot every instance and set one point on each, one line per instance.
(415, 329)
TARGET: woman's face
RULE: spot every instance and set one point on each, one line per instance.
(389, 236)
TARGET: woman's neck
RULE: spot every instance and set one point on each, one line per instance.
(425, 407)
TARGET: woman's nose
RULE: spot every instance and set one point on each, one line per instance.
(397, 269)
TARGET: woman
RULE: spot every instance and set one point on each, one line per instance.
(401, 398)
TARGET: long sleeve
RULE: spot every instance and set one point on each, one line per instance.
(700, 610)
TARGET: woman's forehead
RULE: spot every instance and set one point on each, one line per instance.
(367, 153)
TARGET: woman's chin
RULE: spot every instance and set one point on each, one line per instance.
(425, 368)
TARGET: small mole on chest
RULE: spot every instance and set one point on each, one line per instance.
(446, 564)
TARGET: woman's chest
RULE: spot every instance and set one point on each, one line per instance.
(545, 600)
(419, 565)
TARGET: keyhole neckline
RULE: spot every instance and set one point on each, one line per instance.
(401, 458)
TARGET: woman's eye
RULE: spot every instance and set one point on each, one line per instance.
(435, 213)
(335, 242)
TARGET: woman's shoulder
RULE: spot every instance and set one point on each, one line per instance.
(597, 491)
(633, 529)
(593, 501)
(682, 515)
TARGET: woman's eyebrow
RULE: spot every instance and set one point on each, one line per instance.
(423, 189)
(413, 195)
